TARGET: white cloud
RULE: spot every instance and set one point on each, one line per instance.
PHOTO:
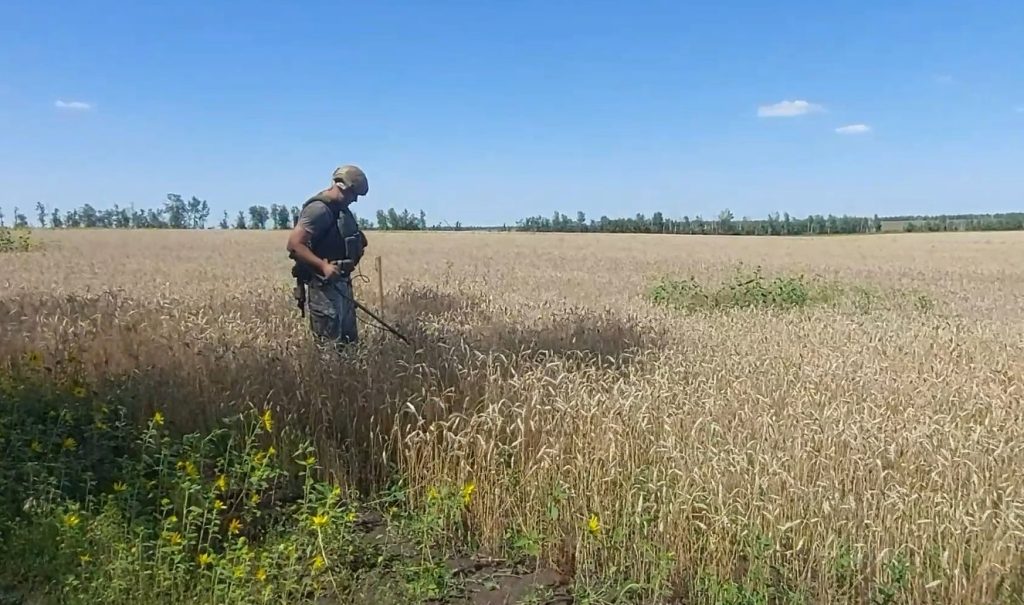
(854, 129)
(788, 109)
(73, 105)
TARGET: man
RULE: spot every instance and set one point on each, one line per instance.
(326, 245)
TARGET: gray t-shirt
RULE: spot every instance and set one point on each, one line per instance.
(326, 236)
(317, 219)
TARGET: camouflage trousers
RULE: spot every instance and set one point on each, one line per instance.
(332, 314)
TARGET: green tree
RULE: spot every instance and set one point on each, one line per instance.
(258, 217)
(20, 220)
(280, 216)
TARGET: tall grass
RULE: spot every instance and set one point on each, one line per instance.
(745, 453)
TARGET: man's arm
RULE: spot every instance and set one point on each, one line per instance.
(298, 248)
(313, 219)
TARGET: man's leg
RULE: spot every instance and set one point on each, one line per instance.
(323, 313)
(348, 328)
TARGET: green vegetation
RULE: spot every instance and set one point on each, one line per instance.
(775, 224)
(751, 288)
(1013, 221)
(724, 224)
(179, 213)
(746, 289)
(16, 240)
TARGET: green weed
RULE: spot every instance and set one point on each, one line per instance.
(17, 240)
(747, 289)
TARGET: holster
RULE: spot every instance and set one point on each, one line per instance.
(300, 296)
(302, 275)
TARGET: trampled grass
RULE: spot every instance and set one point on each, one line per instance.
(854, 436)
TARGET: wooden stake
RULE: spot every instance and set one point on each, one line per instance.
(380, 285)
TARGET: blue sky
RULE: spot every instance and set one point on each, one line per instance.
(487, 112)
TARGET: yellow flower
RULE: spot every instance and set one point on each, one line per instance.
(72, 520)
(205, 559)
(320, 520)
(271, 451)
(594, 524)
(188, 467)
(84, 558)
(234, 526)
(158, 419)
(217, 504)
(172, 519)
(254, 499)
(318, 563)
(261, 574)
(79, 392)
(69, 443)
(310, 461)
(34, 359)
(267, 421)
(432, 494)
(35, 446)
(222, 483)
(119, 486)
(351, 516)
(467, 492)
(100, 425)
(239, 571)
(173, 537)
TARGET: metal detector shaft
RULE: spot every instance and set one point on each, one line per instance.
(380, 321)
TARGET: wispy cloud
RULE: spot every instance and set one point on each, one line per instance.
(854, 129)
(73, 105)
(788, 109)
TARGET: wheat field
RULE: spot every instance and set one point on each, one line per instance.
(840, 452)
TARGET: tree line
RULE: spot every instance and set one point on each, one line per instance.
(775, 224)
(1011, 221)
(193, 213)
(724, 224)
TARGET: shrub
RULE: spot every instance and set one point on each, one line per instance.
(16, 240)
(747, 289)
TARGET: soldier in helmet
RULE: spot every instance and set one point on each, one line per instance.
(326, 245)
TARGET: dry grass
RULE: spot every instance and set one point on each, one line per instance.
(810, 451)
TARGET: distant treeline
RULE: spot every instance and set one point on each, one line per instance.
(724, 224)
(194, 213)
(775, 224)
(179, 213)
(1011, 221)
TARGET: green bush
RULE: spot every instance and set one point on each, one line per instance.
(747, 289)
(16, 240)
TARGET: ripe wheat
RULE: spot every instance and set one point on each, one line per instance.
(834, 451)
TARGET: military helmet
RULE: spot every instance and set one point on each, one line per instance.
(352, 177)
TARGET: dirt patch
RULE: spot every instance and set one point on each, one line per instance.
(493, 582)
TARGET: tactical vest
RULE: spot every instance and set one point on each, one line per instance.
(344, 241)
